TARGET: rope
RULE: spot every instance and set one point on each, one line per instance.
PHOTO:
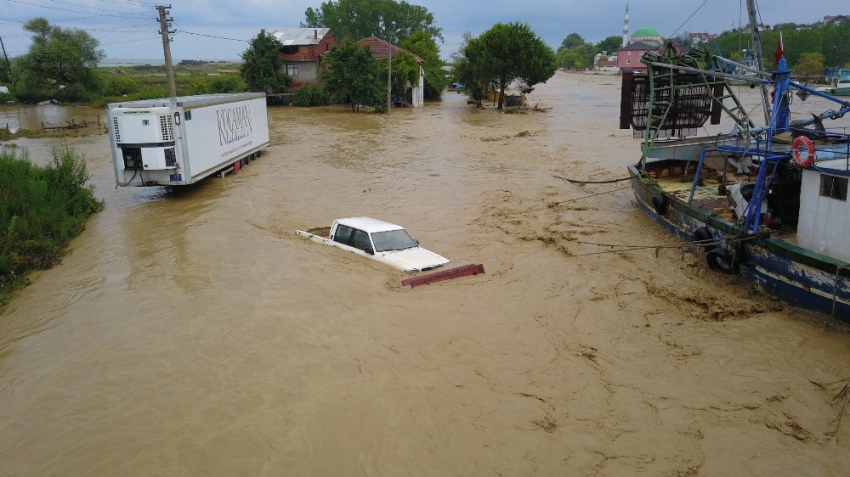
(552, 204)
(835, 292)
(629, 248)
(574, 181)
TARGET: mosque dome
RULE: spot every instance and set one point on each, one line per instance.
(647, 35)
(646, 31)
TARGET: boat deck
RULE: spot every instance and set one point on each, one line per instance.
(706, 196)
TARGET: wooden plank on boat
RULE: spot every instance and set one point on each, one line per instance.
(456, 272)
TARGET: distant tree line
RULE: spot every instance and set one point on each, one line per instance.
(577, 54)
(830, 40)
(61, 64)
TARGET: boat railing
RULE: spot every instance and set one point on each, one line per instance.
(763, 180)
(837, 147)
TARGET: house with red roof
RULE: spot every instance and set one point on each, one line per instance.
(415, 95)
(629, 56)
(303, 52)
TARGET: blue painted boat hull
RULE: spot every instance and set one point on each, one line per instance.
(769, 262)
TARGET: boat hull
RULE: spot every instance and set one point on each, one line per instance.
(798, 276)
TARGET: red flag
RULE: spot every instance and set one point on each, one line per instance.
(779, 54)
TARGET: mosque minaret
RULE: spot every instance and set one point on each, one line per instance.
(626, 26)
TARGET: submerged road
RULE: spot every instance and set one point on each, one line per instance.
(190, 332)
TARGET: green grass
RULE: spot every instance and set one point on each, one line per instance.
(41, 210)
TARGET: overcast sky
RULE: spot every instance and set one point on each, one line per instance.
(127, 28)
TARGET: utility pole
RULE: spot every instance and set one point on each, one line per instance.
(754, 30)
(164, 25)
(8, 65)
(390, 73)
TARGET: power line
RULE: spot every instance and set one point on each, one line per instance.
(212, 36)
(142, 49)
(72, 11)
(85, 6)
(146, 5)
(689, 19)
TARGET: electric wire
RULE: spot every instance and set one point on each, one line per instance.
(689, 18)
(211, 36)
(72, 11)
(86, 6)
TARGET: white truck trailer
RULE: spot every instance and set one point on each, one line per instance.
(156, 142)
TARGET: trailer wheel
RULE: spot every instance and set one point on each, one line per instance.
(719, 260)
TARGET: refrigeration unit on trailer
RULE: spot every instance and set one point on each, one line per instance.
(157, 142)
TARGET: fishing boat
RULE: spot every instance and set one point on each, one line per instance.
(767, 202)
(842, 88)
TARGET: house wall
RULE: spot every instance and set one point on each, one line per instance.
(419, 91)
(309, 59)
(823, 219)
(307, 71)
(630, 59)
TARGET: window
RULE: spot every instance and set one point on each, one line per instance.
(342, 234)
(628, 62)
(833, 187)
(393, 240)
(292, 70)
(628, 53)
(289, 49)
(360, 240)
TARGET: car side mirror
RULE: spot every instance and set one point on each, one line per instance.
(370, 251)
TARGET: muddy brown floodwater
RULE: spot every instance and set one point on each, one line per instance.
(190, 332)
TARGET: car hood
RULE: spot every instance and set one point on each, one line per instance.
(412, 259)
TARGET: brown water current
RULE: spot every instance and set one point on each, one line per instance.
(190, 332)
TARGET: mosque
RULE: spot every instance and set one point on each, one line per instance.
(642, 40)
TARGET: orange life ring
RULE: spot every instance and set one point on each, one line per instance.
(795, 149)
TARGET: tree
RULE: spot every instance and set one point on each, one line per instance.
(354, 75)
(405, 69)
(571, 41)
(471, 69)
(684, 39)
(610, 44)
(358, 19)
(513, 51)
(575, 58)
(262, 66)
(811, 64)
(421, 44)
(60, 62)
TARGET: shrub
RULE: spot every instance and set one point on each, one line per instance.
(227, 84)
(75, 93)
(312, 95)
(41, 210)
(119, 86)
(199, 87)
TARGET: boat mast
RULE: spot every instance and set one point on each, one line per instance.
(759, 57)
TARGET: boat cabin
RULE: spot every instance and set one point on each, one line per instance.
(824, 220)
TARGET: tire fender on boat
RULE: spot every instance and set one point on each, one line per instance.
(795, 149)
(720, 260)
(702, 235)
(659, 203)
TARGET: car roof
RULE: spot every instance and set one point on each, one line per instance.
(368, 224)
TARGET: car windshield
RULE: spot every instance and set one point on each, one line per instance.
(393, 240)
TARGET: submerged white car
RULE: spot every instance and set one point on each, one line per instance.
(378, 240)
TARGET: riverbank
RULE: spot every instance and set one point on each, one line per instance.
(41, 210)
